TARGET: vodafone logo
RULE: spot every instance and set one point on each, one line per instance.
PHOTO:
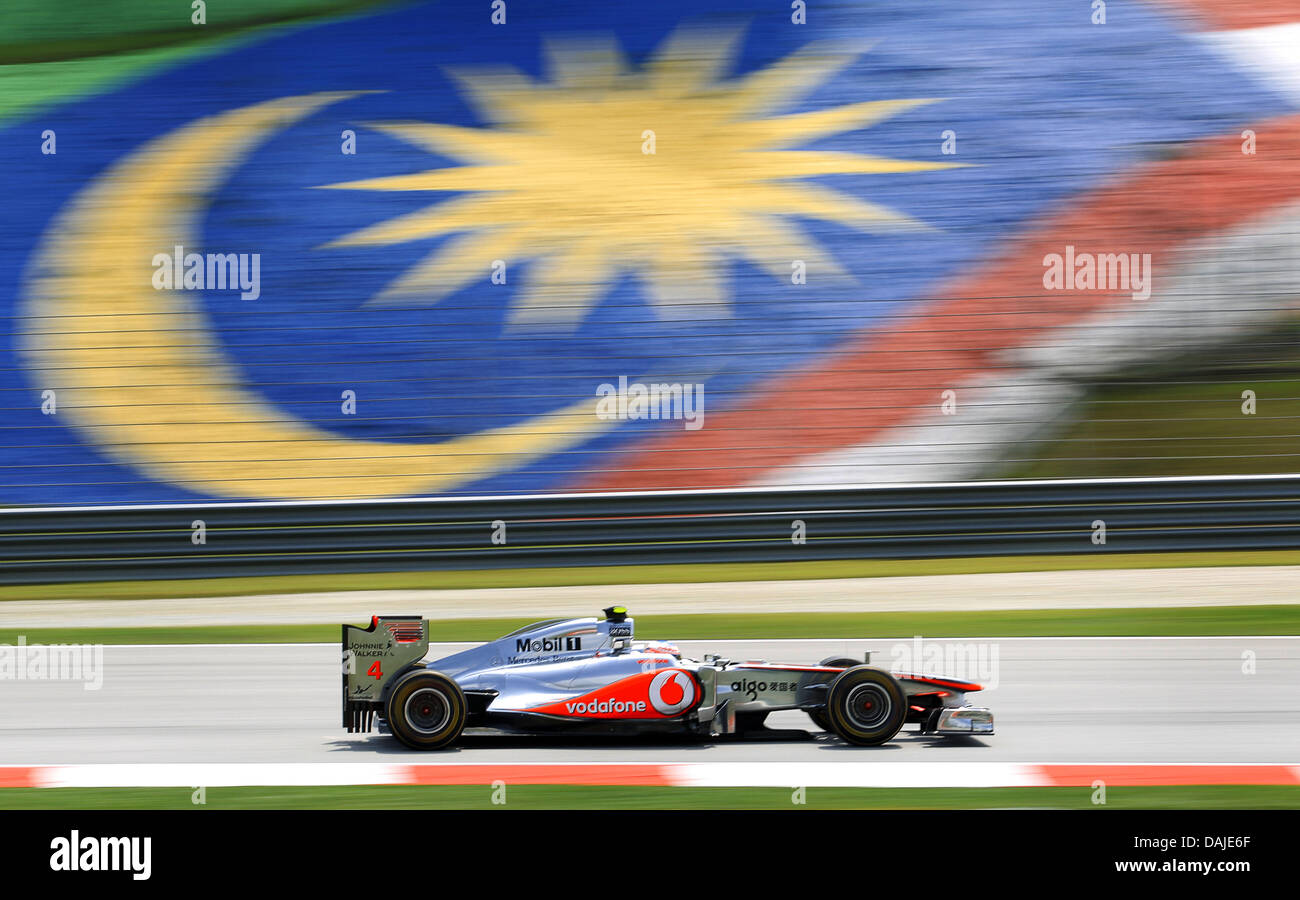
(671, 691)
(667, 693)
(599, 707)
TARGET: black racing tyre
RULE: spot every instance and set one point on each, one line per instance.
(866, 705)
(426, 710)
(819, 717)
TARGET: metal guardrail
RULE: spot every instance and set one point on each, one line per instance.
(915, 521)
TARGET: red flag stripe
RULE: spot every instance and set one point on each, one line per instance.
(1231, 16)
(900, 371)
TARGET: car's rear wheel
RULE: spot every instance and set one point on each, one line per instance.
(426, 710)
(819, 716)
(866, 705)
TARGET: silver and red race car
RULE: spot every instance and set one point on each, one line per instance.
(591, 675)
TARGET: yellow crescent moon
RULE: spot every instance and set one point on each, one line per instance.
(137, 372)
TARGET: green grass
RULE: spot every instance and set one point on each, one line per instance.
(1184, 621)
(34, 31)
(1189, 422)
(52, 52)
(26, 88)
(607, 798)
(650, 574)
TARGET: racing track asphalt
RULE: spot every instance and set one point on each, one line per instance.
(1056, 700)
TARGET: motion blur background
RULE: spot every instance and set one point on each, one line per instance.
(859, 231)
(920, 163)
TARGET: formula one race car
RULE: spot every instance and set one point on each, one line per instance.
(589, 675)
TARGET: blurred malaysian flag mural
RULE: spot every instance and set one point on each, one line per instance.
(304, 250)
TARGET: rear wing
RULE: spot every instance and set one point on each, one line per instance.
(372, 658)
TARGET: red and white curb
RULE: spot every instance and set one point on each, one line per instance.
(783, 774)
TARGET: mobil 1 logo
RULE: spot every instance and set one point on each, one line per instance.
(548, 645)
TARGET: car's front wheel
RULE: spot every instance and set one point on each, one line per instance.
(819, 716)
(866, 705)
(426, 710)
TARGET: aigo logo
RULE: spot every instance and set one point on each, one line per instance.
(683, 688)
